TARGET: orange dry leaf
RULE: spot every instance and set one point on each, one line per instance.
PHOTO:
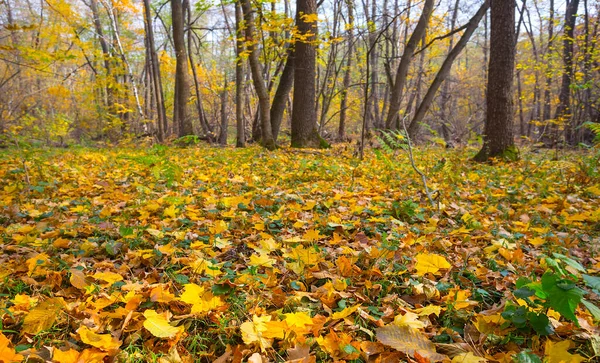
(8, 355)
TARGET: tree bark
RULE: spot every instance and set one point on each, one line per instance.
(286, 81)
(409, 50)
(155, 79)
(239, 79)
(347, 74)
(498, 140)
(182, 89)
(257, 77)
(563, 110)
(304, 115)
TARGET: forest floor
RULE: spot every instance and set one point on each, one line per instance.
(209, 254)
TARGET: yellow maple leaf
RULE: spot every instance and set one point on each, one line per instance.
(312, 235)
(558, 352)
(109, 277)
(345, 313)
(43, 316)
(170, 212)
(201, 300)
(104, 342)
(468, 357)
(72, 356)
(429, 262)
(298, 319)
(261, 260)
(36, 264)
(219, 227)
(158, 325)
(253, 331)
(428, 310)
(8, 355)
(409, 319)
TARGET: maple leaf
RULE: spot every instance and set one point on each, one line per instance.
(430, 263)
(408, 341)
(7, 354)
(410, 320)
(202, 301)
(158, 325)
(43, 316)
(468, 357)
(558, 352)
(104, 342)
(253, 331)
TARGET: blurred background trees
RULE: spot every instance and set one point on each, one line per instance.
(80, 71)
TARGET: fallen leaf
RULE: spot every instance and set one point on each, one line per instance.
(159, 326)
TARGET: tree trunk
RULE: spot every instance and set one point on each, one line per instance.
(182, 89)
(257, 77)
(563, 110)
(224, 118)
(155, 79)
(239, 79)
(286, 81)
(304, 115)
(409, 50)
(414, 127)
(347, 73)
(498, 138)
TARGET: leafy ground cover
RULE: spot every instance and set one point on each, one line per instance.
(183, 255)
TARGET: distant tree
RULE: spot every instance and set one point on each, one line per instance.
(498, 140)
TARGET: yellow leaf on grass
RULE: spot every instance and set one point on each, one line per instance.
(159, 326)
(78, 279)
(254, 331)
(219, 227)
(428, 310)
(170, 212)
(8, 355)
(104, 342)
(558, 352)
(428, 262)
(36, 263)
(537, 241)
(202, 301)
(408, 341)
(299, 319)
(261, 260)
(43, 316)
(409, 319)
(73, 356)
(109, 277)
(345, 313)
(468, 358)
(69, 356)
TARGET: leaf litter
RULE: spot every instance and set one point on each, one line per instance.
(183, 255)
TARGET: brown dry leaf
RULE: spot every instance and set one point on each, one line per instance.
(78, 279)
(408, 341)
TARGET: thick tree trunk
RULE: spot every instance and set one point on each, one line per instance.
(182, 89)
(414, 127)
(304, 115)
(409, 50)
(498, 140)
(257, 77)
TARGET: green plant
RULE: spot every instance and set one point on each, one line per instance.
(558, 289)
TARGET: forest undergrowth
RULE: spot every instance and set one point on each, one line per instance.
(219, 254)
